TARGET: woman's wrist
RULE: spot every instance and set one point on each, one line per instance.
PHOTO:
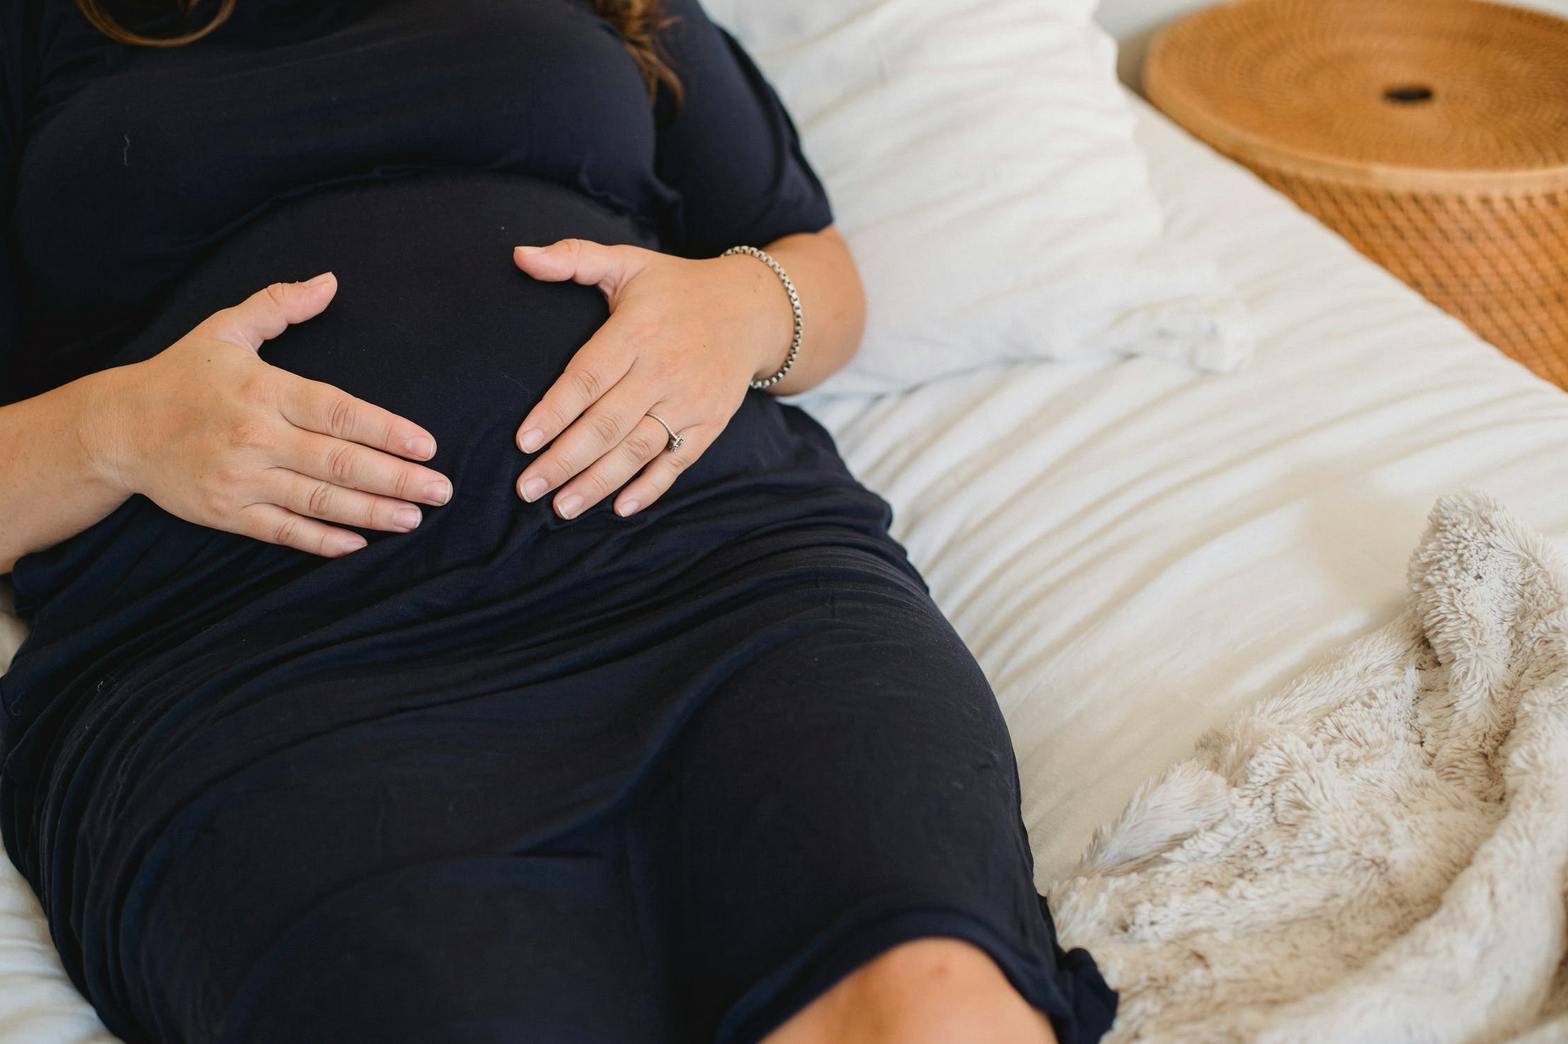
(51, 480)
(100, 398)
(832, 304)
(768, 322)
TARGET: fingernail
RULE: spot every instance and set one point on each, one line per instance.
(419, 446)
(530, 250)
(570, 505)
(534, 488)
(438, 492)
(408, 517)
(627, 508)
(347, 544)
(531, 440)
(321, 280)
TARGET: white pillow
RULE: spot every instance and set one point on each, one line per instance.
(980, 161)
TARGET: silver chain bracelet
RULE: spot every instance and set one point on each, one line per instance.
(794, 305)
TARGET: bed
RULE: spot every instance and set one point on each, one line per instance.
(1135, 551)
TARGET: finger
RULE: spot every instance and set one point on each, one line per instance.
(607, 474)
(269, 311)
(582, 261)
(277, 525)
(318, 498)
(665, 468)
(596, 368)
(359, 467)
(320, 407)
(607, 421)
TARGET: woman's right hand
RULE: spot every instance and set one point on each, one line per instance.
(214, 434)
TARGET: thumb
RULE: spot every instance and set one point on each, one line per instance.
(271, 310)
(582, 261)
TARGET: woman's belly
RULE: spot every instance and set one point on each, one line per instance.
(433, 321)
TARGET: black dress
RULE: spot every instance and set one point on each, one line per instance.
(508, 777)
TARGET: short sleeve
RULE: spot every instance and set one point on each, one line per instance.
(730, 151)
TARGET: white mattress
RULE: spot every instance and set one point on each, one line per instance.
(1135, 551)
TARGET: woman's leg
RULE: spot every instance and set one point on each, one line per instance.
(942, 991)
(835, 840)
(483, 950)
(369, 882)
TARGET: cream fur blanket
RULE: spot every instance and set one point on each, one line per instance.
(1376, 853)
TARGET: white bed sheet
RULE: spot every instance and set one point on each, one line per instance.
(1132, 550)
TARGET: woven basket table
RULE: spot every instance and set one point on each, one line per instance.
(1432, 134)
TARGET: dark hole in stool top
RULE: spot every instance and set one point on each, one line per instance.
(1407, 93)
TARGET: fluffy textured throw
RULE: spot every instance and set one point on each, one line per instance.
(1376, 853)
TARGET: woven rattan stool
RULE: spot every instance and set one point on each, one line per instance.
(1432, 134)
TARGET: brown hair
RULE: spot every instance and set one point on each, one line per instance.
(638, 22)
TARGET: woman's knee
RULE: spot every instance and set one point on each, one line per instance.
(925, 990)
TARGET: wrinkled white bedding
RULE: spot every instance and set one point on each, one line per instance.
(1133, 549)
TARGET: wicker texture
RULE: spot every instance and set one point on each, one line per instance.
(1432, 134)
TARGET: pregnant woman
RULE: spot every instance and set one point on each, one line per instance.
(332, 724)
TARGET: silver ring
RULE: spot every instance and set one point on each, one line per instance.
(676, 441)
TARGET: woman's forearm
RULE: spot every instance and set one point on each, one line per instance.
(51, 487)
(833, 306)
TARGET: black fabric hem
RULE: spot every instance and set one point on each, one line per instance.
(1074, 996)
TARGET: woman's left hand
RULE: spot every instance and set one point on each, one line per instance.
(684, 340)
